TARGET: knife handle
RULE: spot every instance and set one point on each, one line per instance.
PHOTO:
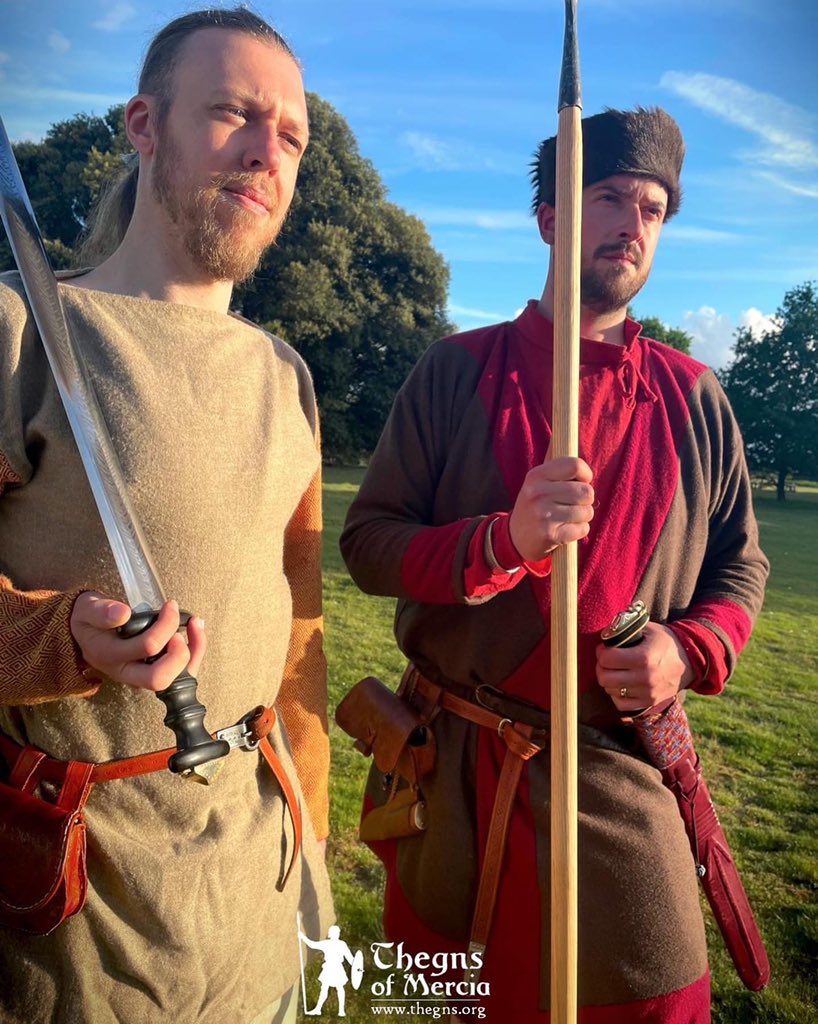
(184, 713)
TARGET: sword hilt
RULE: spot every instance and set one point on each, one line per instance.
(197, 751)
(627, 627)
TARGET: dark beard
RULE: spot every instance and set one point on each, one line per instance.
(608, 288)
(224, 254)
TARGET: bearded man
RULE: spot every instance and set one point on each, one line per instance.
(188, 917)
(459, 512)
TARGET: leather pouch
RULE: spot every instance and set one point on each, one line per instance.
(385, 727)
(43, 875)
(403, 814)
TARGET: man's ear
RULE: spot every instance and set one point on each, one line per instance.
(547, 222)
(140, 123)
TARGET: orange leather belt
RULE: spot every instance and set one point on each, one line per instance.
(250, 733)
(522, 742)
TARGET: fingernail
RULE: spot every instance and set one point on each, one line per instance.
(112, 613)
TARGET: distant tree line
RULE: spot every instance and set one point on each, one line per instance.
(355, 285)
(353, 282)
(772, 383)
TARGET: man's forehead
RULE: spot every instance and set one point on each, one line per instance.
(633, 184)
(215, 57)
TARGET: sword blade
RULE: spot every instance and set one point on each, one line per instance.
(128, 544)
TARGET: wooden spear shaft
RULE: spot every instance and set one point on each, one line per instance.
(564, 685)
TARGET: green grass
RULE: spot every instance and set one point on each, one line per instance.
(758, 743)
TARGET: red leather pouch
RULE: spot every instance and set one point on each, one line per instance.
(43, 875)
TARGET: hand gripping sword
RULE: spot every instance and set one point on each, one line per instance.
(185, 715)
(666, 739)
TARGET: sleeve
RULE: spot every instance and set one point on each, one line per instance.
(302, 699)
(730, 589)
(393, 542)
(39, 660)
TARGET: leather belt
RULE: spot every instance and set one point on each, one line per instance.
(523, 741)
(251, 732)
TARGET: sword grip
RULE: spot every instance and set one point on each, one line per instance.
(184, 713)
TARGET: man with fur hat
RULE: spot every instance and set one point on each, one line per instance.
(458, 515)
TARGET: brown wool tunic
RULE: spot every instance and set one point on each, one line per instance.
(673, 526)
(214, 423)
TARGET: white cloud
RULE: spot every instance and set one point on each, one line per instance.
(58, 42)
(758, 322)
(785, 130)
(713, 333)
(115, 17)
(488, 220)
(469, 313)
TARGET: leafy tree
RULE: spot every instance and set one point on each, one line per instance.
(653, 327)
(772, 383)
(353, 282)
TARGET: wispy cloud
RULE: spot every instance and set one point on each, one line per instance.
(690, 233)
(469, 313)
(786, 131)
(431, 151)
(488, 220)
(58, 42)
(43, 94)
(810, 191)
(115, 17)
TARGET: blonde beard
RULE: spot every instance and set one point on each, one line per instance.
(230, 253)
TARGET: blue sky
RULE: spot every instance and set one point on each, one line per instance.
(448, 98)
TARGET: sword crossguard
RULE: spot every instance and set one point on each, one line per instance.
(196, 749)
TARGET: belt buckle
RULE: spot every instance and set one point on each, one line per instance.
(239, 736)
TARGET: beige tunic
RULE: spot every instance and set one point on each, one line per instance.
(214, 422)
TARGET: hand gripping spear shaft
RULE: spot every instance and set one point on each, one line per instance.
(185, 715)
(564, 709)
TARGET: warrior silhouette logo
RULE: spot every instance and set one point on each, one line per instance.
(333, 974)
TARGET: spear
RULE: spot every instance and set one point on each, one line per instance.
(565, 442)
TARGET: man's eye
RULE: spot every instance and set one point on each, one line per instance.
(239, 112)
(292, 143)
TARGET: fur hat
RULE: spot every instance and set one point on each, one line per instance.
(644, 141)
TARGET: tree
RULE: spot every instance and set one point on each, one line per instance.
(772, 383)
(653, 327)
(353, 282)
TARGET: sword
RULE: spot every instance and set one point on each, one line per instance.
(666, 739)
(185, 715)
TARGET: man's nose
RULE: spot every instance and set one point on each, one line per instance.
(631, 225)
(264, 150)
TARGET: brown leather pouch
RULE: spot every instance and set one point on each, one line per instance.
(385, 727)
(43, 876)
(403, 814)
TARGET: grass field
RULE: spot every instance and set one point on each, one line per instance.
(758, 743)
